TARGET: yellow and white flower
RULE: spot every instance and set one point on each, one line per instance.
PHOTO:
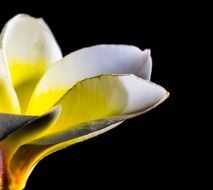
(48, 102)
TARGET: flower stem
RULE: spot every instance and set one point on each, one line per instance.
(6, 182)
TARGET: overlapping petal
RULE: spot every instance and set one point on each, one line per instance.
(105, 96)
(86, 63)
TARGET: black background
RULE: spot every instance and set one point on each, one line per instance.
(144, 150)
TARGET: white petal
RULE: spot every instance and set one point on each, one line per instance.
(26, 38)
(106, 96)
(141, 94)
(100, 59)
(85, 63)
(29, 48)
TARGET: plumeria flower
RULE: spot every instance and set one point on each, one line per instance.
(48, 102)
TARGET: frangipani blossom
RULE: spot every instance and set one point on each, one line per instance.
(48, 102)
